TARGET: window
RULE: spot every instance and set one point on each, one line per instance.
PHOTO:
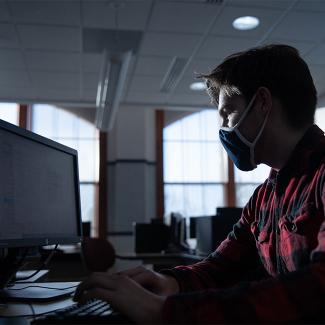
(75, 132)
(320, 117)
(9, 112)
(196, 167)
(246, 183)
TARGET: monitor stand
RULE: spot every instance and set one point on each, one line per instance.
(37, 292)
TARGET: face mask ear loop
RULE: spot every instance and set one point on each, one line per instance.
(252, 145)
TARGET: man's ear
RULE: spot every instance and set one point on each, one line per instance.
(265, 99)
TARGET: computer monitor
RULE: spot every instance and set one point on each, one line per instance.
(178, 233)
(39, 193)
(212, 230)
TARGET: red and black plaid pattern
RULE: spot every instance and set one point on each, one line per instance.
(281, 232)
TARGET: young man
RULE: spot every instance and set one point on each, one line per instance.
(266, 100)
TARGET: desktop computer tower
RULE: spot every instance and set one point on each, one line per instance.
(151, 237)
(212, 230)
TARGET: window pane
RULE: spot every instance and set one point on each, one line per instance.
(173, 131)
(192, 161)
(88, 199)
(214, 163)
(193, 200)
(209, 123)
(74, 132)
(86, 130)
(258, 175)
(43, 120)
(213, 197)
(9, 112)
(320, 117)
(243, 193)
(86, 154)
(191, 127)
(66, 125)
(173, 162)
(193, 154)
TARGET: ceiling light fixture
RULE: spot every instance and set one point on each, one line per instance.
(246, 23)
(109, 92)
(197, 86)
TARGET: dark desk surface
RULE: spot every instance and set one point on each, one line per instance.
(162, 260)
(161, 256)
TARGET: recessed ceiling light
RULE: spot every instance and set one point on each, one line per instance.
(246, 22)
(198, 85)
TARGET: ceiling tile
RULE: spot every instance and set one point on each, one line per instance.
(145, 83)
(11, 59)
(8, 36)
(91, 62)
(184, 86)
(190, 100)
(301, 26)
(181, 17)
(89, 95)
(302, 47)
(17, 94)
(268, 4)
(14, 78)
(90, 80)
(127, 16)
(202, 66)
(146, 97)
(318, 72)
(55, 80)
(220, 47)
(4, 13)
(53, 61)
(169, 44)
(223, 25)
(317, 55)
(50, 38)
(48, 12)
(152, 65)
(58, 95)
(310, 5)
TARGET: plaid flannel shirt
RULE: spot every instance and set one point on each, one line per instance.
(282, 232)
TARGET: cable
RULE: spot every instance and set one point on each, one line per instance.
(47, 260)
(43, 287)
(33, 310)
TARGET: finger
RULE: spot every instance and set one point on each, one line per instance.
(134, 271)
(144, 278)
(95, 293)
(96, 280)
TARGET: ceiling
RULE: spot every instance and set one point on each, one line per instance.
(47, 53)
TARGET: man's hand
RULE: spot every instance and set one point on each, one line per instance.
(124, 294)
(160, 284)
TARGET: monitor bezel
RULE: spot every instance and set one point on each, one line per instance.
(44, 241)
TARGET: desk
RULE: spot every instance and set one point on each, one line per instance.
(9, 311)
(162, 260)
(66, 264)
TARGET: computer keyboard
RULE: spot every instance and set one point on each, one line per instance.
(95, 311)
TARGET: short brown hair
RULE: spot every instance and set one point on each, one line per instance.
(277, 67)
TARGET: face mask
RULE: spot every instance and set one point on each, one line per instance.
(239, 149)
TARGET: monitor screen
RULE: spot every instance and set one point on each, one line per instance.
(178, 228)
(39, 190)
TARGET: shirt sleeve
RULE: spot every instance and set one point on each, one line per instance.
(297, 297)
(224, 267)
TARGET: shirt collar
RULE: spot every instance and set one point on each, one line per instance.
(308, 151)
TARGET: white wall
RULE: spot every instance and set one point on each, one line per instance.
(131, 170)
